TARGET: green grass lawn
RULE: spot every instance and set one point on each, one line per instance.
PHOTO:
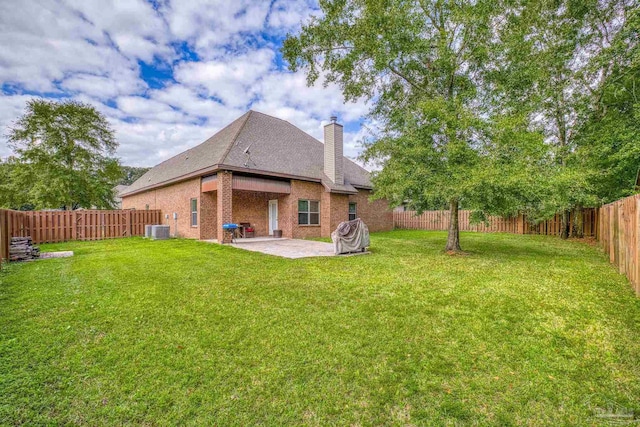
(526, 330)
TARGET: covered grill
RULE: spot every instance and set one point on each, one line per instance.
(351, 236)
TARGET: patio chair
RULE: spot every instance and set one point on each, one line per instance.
(247, 231)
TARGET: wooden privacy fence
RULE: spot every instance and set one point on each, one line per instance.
(440, 220)
(61, 226)
(620, 237)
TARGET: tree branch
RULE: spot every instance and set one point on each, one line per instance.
(405, 78)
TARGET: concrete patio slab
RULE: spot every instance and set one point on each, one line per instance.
(248, 239)
(287, 248)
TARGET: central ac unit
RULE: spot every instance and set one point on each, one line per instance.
(159, 232)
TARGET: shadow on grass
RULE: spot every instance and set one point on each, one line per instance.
(487, 245)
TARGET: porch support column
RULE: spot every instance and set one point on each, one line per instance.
(225, 207)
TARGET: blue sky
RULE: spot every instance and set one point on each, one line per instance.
(167, 74)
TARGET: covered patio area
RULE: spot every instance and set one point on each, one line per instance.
(255, 202)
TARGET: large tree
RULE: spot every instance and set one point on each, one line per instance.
(555, 65)
(64, 156)
(11, 196)
(425, 66)
(608, 141)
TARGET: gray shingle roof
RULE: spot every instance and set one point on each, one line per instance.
(119, 189)
(275, 146)
(337, 188)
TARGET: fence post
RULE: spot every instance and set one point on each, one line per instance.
(637, 248)
(520, 224)
(6, 238)
(74, 224)
(130, 223)
(1, 237)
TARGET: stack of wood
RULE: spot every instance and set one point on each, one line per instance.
(22, 249)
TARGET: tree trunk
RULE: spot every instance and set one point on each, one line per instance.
(578, 223)
(453, 238)
(565, 224)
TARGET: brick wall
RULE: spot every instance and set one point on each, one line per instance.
(285, 212)
(376, 214)
(170, 199)
(289, 215)
(208, 214)
(335, 209)
(224, 214)
(253, 207)
(140, 201)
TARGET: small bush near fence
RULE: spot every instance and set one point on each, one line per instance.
(62, 226)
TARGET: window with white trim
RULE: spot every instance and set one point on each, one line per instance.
(194, 212)
(308, 212)
(353, 211)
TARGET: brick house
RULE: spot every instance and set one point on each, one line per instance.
(264, 171)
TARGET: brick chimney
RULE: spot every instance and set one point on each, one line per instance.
(333, 151)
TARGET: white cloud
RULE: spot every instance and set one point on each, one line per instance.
(11, 107)
(188, 101)
(231, 79)
(286, 95)
(287, 15)
(120, 82)
(44, 42)
(211, 24)
(137, 30)
(92, 51)
(151, 142)
(143, 108)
